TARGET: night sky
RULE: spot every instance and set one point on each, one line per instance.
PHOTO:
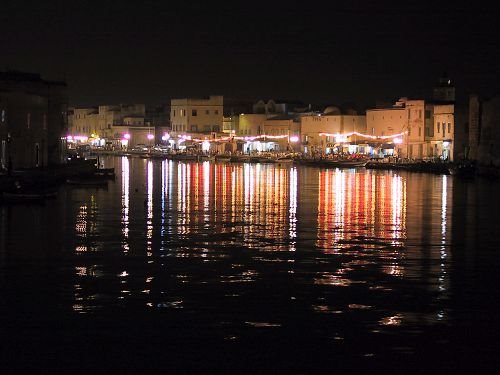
(345, 52)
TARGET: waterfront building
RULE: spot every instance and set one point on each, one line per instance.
(118, 126)
(83, 122)
(488, 150)
(33, 120)
(474, 116)
(399, 130)
(280, 131)
(333, 132)
(416, 128)
(195, 119)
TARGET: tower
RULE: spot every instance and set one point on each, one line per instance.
(444, 91)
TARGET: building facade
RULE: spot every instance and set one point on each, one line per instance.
(33, 121)
(332, 132)
(195, 118)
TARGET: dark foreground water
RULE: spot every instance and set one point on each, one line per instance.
(239, 268)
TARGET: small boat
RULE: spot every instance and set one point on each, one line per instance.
(240, 158)
(283, 160)
(223, 158)
(260, 159)
(342, 163)
(206, 157)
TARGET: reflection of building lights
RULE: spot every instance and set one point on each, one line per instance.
(205, 146)
(126, 136)
(397, 141)
(165, 137)
(294, 139)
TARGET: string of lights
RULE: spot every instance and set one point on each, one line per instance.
(345, 135)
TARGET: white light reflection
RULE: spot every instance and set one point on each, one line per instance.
(149, 232)
(206, 190)
(340, 181)
(166, 192)
(183, 196)
(125, 202)
(443, 252)
(292, 217)
(398, 207)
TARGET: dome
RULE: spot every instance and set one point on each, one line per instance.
(331, 110)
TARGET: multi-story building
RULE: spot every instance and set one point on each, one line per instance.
(488, 150)
(417, 129)
(400, 129)
(33, 120)
(196, 118)
(332, 132)
(117, 125)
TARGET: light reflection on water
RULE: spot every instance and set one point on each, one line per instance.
(343, 250)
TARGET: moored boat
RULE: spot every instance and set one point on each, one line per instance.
(342, 163)
(223, 158)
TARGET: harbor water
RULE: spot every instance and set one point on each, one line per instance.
(206, 267)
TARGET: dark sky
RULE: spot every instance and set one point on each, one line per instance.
(348, 51)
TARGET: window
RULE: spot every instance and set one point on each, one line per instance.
(449, 128)
(28, 120)
(194, 112)
(409, 130)
(174, 112)
(216, 111)
(207, 112)
(194, 128)
(419, 131)
(206, 128)
(439, 127)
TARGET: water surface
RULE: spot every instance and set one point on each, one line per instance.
(248, 268)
